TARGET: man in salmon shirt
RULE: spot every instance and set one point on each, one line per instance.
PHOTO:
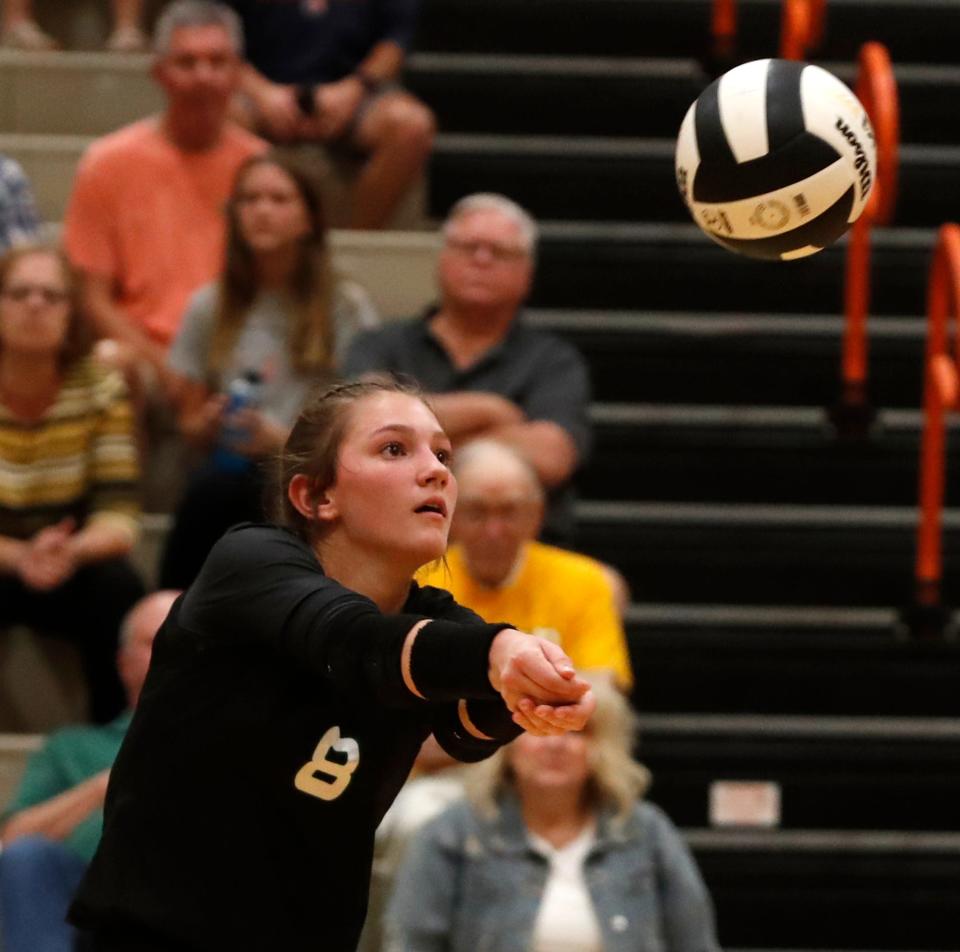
(145, 224)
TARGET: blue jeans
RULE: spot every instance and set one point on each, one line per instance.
(38, 878)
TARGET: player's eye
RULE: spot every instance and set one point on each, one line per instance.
(393, 448)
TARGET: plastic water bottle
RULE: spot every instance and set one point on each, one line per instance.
(242, 394)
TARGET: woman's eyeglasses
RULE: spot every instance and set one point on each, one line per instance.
(22, 292)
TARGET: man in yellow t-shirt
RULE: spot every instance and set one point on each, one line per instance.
(497, 569)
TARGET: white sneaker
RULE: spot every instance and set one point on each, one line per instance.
(127, 39)
(27, 35)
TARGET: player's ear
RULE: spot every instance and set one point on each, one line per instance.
(310, 505)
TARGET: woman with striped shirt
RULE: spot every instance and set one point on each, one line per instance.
(68, 473)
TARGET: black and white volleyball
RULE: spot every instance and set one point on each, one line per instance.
(776, 159)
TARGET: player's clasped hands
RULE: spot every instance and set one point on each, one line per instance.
(538, 683)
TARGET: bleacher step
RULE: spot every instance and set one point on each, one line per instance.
(788, 659)
(633, 179)
(736, 359)
(745, 454)
(680, 27)
(849, 773)
(831, 889)
(740, 553)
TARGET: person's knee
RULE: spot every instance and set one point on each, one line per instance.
(409, 125)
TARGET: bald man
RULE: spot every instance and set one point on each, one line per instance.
(498, 569)
(53, 826)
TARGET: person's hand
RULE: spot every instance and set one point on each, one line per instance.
(538, 683)
(278, 111)
(50, 558)
(545, 720)
(337, 104)
(264, 434)
(201, 427)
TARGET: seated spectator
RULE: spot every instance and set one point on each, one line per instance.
(68, 473)
(53, 825)
(21, 31)
(277, 312)
(145, 225)
(489, 374)
(328, 72)
(497, 569)
(19, 220)
(553, 852)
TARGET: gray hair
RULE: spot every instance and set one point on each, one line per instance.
(494, 454)
(186, 13)
(492, 202)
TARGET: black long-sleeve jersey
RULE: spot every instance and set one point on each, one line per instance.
(273, 731)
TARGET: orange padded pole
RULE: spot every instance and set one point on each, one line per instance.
(801, 27)
(941, 386)
(724, 26)
(876, 88)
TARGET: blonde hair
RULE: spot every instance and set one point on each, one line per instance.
(616, 779)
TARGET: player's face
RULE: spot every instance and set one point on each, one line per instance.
(394, 492)
(484, 264)
(34, 305)
(270, 210)
(201, 70)
(544, 764)
(496, 515)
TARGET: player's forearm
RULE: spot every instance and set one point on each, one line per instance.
(58, 817)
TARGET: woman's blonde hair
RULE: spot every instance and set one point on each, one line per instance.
(616, 780)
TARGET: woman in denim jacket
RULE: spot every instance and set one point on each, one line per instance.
(552, 851)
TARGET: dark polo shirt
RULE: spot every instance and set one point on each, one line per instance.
(318, 41)
(546, 377)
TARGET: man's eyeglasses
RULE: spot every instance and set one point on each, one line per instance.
(497, 251)
(22, 292)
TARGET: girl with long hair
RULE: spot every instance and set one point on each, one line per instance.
(277, 316)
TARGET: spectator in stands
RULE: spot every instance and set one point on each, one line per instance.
(553, 851)
(329, 72)
(277, 311)
(54, 823)
(145, 221)
(19, 221)
(68, 473)
(490, 375)
(21, 31)
(497, 569)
